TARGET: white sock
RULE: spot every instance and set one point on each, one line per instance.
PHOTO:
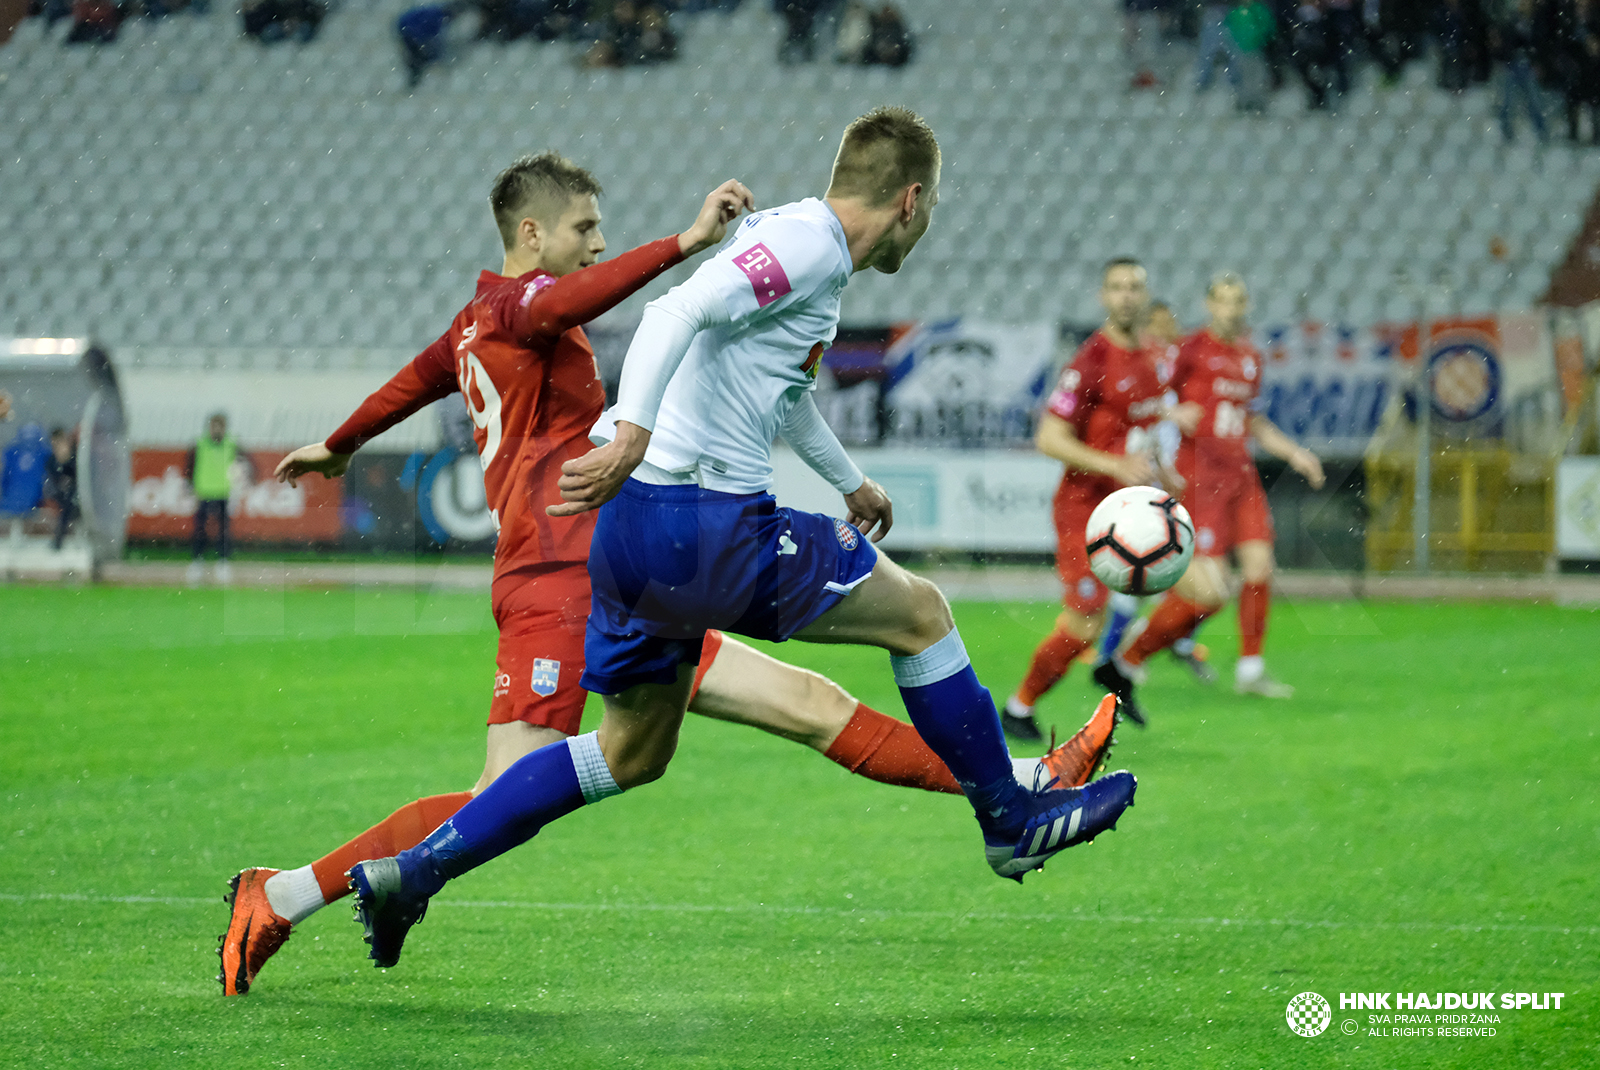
(294, 894)
(1015, 707)
(1025, 770)
(594, 775)
(1249, 668)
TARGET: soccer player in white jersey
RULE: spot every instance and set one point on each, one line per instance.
(690, 539)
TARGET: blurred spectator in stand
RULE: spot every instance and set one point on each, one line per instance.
(1143, 26)
(94, 22)
(1216, 40)
(270, 21)
(635, 34)
(1516, 40)
(1250, 25)
(52, 10)
(1344, 34)
(799, 44)
(1576, 60)
(1315, 53)
(855, 31)
(210, 472)
(546, 20)
(889, 44)
(1278, 48)
(1450, 28)
(657, 42)
(422, 37)
(1374, 28)
(61, 482)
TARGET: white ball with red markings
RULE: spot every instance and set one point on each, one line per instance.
(1140, 540)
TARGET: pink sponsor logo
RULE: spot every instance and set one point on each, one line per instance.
(764, 272)
(537, 283)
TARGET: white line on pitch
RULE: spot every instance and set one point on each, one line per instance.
(937, 915)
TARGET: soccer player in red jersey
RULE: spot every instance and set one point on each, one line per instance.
(1217, 377)
(1099, 423)
(519, 356)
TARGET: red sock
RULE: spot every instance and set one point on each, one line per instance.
(1174, 618)
(1253, 602)
(404, 828)
(1050, 663)
(878, 747)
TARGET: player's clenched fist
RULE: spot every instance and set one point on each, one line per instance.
(313, 458)
(721, 208)
(869, 507)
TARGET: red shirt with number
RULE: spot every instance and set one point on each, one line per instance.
(1224, 378)
(518, 354)
(1111, 397)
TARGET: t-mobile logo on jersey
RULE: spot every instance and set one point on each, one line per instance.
(766, 275)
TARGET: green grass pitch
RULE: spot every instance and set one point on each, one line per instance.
(1421, 817)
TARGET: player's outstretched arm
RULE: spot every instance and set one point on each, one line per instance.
(431, 376)
(721, 208)
(1285, 448)
(665, 332)
(1056, 438)
(575, 299)
(317, 458)
(1185, 416)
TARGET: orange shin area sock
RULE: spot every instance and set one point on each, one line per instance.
(1050, 663)
(878, 747)
(1174, 618)
(404, 828)
(1253, 602)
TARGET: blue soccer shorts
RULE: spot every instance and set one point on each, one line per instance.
(667, 563)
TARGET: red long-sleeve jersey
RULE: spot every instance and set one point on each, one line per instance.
(518, 353)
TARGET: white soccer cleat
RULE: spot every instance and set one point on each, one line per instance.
(1264, 686)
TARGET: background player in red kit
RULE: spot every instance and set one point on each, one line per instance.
(1098, 423)
(1217, 377)
(519, 356)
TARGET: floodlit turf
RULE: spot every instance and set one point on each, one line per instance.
(1422, 817)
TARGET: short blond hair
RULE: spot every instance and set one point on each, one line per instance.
(882, 153)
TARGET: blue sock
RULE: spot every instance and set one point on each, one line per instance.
(955, 715)
(1124, 607)
(540, 787)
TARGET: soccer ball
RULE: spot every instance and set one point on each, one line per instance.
(1139, 540)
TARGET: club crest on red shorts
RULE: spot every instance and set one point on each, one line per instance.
(848, 536)
(546, 675)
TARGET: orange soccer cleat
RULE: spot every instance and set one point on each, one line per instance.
(255, 930)
(1079, 758)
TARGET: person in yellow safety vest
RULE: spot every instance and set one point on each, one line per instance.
(210, 471)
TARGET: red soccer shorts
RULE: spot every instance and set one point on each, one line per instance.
(541, 652)
(1227, 508)
(1080, 590)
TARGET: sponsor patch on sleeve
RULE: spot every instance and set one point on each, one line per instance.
(766, 275)
(535, 284)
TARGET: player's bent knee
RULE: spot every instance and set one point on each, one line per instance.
(928, 619)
